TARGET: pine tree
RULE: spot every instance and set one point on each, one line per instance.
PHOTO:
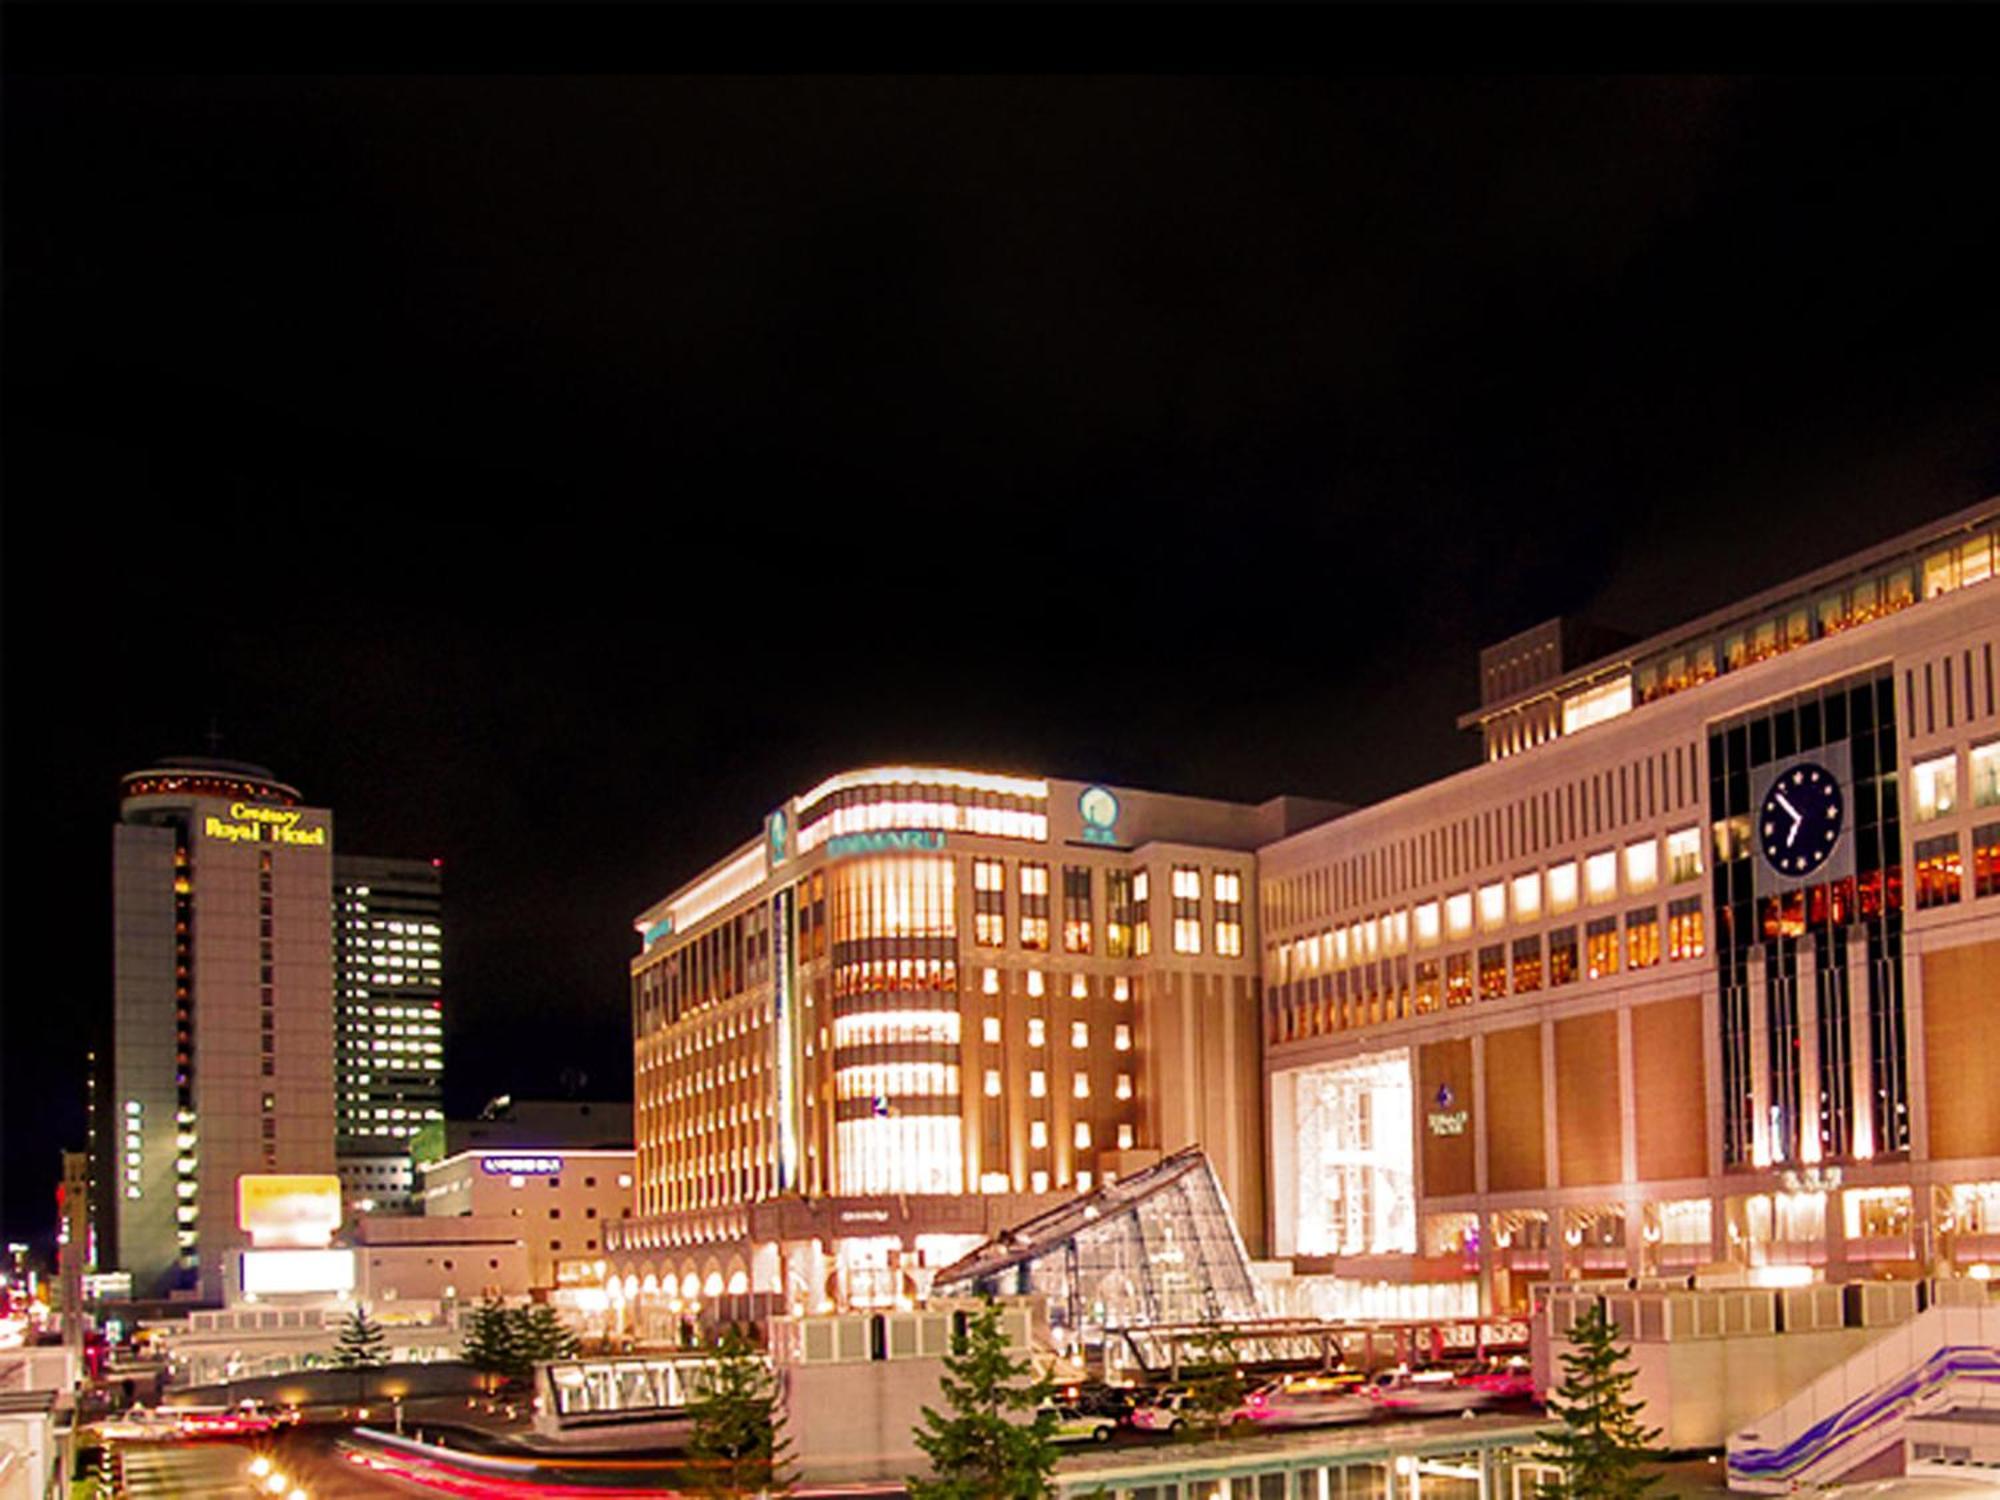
(1600, 1446)
(361, 1342)
(738, 1444)
(984, 1451)
(539, 1333)
(488, 1336)
(1214, 1381)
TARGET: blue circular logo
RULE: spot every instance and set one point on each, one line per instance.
(1445, 1096)
(1098, 807)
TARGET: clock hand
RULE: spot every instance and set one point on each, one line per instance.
(1779, 798)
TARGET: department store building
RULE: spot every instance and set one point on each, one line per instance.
(1700, 967)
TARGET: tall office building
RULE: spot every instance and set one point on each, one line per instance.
(923, 1005)
(1698, 968)
(222, 1026)
(388, 946)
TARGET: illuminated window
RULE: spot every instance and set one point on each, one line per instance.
(1034, 982)
(1426, 985)
(1354, 1190)
(1492, 906)
(1684, 855)
(1038, 1182)
(1595, 705)
(1079, 1035)
(1035, 907)
(993, 1083)
(1527, 965)
(1076, 909)
(989, 903)
(1933, 788)
(989, 1029)
(1038, 1137)
(1986, 860)
(1528, 896)
(1124, 1137)
(1427, 924)
(1642, 938)
(1081, 1135)
(1985, 763)
(1118, 914)
(1458, 914)
(1079, 987)
(1685, 937)
(1121, 1038)
(1228, 892)
(1187, 909)
(1939, 874)
(1493, 972)
(1038, 1084)
(1600, 947)
(1600, 876)
(1037, 1032)
(1142, 921)
(1562, 886)
(1562, 957)
(1642, 866)
(1124, 1087)
(1079, 1085)
(1458, 979)
(989, 981)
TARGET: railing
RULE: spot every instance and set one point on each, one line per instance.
(1859, 1407)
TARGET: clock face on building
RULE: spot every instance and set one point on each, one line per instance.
(1801, 819)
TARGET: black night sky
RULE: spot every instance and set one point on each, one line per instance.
(551, 473)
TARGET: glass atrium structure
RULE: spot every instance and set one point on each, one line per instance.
(1157, 1247)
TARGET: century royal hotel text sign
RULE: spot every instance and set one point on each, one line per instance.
(254, 823)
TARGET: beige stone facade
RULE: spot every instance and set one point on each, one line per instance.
(1560, 1013)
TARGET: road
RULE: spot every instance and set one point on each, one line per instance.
(221, 1470)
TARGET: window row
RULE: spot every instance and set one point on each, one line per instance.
(1398, 988)
(1934, 783)
(1597, 879)
(1940, 873)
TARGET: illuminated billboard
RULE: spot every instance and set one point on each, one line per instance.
(520, 1166)
(278, 1272)
(281, 1209)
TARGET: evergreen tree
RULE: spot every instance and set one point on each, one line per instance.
(1214, 1381)
(738, 1445)
(361, 1342)
(539, 1333)
(1600, 1446)
(488, 1337)
(985, 1450)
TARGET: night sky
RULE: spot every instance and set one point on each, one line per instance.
(551, 474)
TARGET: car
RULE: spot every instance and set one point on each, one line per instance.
(1160, 1411)
(1425, 1392)
(1311, 1401)
(1098, 1399)
(1076, 1426)
(1508, 1379)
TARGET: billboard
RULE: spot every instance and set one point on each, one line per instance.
(277, 1272)
(277, 1209)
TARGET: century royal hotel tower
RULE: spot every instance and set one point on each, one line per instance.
(923, 1005)
(222, 1035)
(1698, 968)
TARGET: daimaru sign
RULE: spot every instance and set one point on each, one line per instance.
(521, 1166)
